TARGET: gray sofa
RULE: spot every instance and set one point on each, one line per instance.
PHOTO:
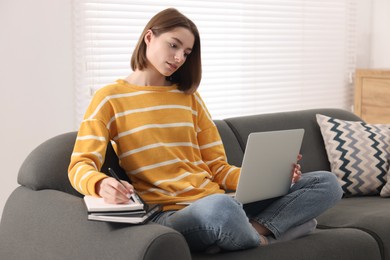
(45, 218)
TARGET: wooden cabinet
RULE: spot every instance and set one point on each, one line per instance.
(372, 95)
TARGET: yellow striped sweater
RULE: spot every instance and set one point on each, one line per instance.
(165, 139)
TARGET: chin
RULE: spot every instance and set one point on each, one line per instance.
(167, 74)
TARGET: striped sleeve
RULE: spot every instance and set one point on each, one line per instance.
(88, 154)
(213, 152)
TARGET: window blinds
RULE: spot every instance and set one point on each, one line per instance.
(258, 56)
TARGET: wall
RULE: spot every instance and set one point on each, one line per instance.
(380, 36)
(363, 33)
(373, 39)
(36, 80)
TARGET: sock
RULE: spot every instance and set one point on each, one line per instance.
(214, 249)
(264, 240)
(295, 232)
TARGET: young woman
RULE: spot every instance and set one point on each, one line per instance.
(170, 148)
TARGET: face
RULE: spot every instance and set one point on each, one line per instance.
(167, 52)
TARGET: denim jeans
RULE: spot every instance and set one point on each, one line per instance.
(219, 220)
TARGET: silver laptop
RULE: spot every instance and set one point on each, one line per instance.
(267, 167)
(268, 164)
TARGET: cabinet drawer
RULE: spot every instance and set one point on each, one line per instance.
(372, 95)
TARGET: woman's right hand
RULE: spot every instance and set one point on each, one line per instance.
(114, 192)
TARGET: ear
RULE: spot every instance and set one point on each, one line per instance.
(148, 37)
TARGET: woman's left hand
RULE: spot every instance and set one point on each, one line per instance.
(297, 170)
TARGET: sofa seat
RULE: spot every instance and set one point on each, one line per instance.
(332, 244)
(370, 214)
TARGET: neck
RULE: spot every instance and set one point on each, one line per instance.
(147, 78)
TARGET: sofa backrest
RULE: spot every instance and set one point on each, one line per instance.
(46, 167)
(313, 149)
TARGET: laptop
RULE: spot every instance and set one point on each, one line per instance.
(267, 167)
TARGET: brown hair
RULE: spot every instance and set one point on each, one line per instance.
(189, 75)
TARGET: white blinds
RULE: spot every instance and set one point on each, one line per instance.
(258, 56)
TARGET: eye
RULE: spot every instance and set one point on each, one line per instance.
(173, 45)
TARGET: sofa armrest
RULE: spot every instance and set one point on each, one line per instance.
(50, 224)
(46, 167)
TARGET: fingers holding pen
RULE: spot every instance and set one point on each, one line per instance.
(113, 191)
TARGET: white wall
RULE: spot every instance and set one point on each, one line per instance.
(380, 36)
(363, 33)
(373, 39)
(36, 97)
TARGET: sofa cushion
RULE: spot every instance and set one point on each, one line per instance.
(358, 153)
(340, 243)
(367, 213)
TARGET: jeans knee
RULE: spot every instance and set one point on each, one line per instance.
(331, 184)
(217, 208)
(214, 220)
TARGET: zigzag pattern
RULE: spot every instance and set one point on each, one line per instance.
(358, 154)
(340, 143)
(382, 145)
(385, 192)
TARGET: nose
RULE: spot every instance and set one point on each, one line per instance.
(179, 57)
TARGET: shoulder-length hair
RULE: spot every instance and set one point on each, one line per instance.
(189, 75)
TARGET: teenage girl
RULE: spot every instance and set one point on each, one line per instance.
(171, 150)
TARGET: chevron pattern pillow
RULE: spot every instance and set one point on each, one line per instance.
(358, 154)
(385, 192)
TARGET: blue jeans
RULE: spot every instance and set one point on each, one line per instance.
(222, 221)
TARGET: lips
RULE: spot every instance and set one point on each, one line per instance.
(172, 66)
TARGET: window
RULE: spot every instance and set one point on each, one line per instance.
(258, 56)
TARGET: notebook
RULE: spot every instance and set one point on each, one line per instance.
(134, 212)
(268, 164)
(131, 217)
(97, 204)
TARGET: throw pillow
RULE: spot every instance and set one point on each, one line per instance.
(385, 192)
(358, 154)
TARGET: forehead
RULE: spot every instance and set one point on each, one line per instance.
(183, 35)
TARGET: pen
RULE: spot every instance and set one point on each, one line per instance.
(133, 196)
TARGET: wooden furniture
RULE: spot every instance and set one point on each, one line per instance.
(372, 95)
